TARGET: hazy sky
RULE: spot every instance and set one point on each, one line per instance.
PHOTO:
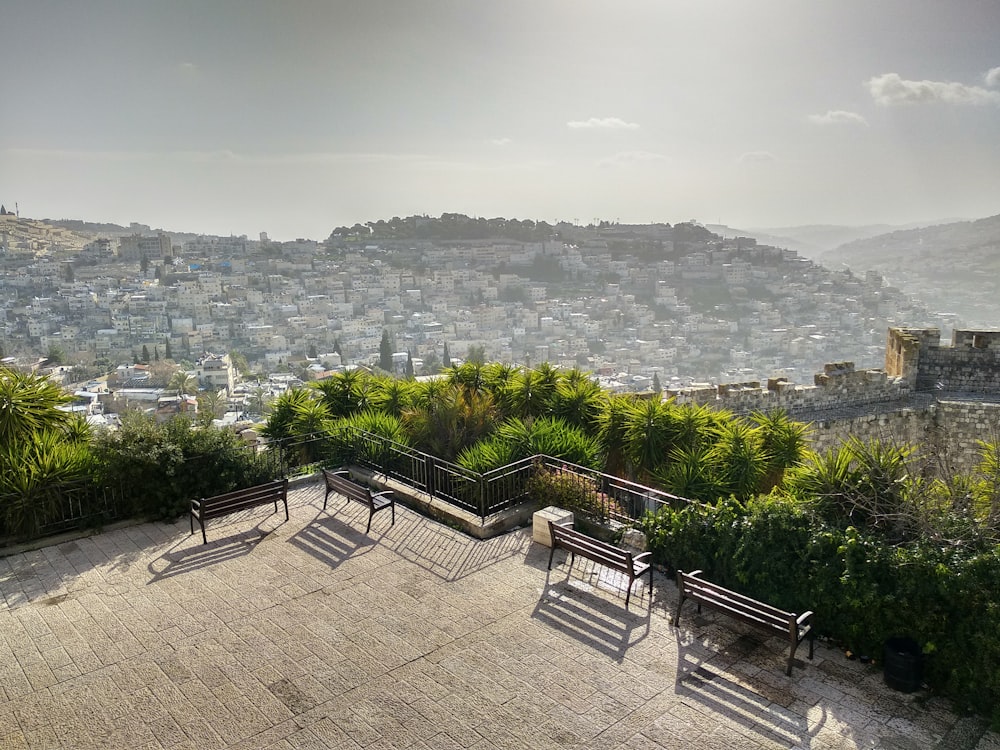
(241, 116)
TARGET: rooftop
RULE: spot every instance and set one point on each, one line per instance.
(311, 634)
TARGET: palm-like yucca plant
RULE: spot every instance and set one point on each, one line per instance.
(740, 459)
(29, 405)
(611, 422)
(372, 436)
(498, 375)
(282, 413)
(445, 419)
(32, 475)
(392, 395)
(650, 432)
(784, 441)
(691, 473)
(987, 485)
(579, 402)
(697, 425)
(345, 392)
(530, 394)
(824, 479)
(468, 376)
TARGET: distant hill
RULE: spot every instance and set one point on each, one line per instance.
(952, 267)
(812, 240)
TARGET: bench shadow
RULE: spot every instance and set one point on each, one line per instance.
(185, 556)
(331, 540)
(591, 619)
(759, 703)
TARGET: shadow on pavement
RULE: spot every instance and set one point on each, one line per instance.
(760, 706)
(591, 619)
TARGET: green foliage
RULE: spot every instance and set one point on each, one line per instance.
(380, 431)
(28, 406)
(862, 590)
(33, 474)
(162, 467)
(572, 491)
(517, 439)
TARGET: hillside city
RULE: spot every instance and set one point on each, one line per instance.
(641, 307)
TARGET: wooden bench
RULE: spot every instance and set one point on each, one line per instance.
(233, 502)
(771, 619)
(340, 483)
(600, 552)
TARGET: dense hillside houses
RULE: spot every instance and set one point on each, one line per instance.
(628, 303)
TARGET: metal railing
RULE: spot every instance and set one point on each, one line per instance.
(84, 505)
(59, 508)
(598, 494)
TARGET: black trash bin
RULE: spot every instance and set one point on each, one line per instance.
(901, 659)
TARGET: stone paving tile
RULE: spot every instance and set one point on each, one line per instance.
(310, 634)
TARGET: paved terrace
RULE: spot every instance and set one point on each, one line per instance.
(310, 634)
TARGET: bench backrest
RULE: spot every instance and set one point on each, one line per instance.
(613, 555)
(734, 604)
(347, 487)
(249, 497)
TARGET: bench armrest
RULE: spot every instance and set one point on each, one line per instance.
(383, 492)
(804, 617)
(641, 556)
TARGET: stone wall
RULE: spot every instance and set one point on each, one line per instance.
(960, 427)
(942, 398)
(838, 386)
(901, 426)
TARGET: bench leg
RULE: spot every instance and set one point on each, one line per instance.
(371, 514)
(677, 614)
(285, 501)
(191, 519)
(552, 551)
(393, 507)
(650, 585)
(204, 539)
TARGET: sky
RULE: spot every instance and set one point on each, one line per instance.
(242, 116)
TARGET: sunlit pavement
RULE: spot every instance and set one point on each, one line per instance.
(311, 634)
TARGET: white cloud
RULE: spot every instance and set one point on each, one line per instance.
(992, 77)
(604, 123)
(756, 157)
(500, 141)
(889, 89)
(838, 117)
(627, 158)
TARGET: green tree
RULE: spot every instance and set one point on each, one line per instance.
(183, 382)
(446, 357)
(476, 353)
(167, 353)
(145, 353)
(657, 388)
(409, 364)
(55, 355)
(239, 361)
(385, 349)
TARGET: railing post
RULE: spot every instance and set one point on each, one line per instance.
(482, 498)
(429, 482)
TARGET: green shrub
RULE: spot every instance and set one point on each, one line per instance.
(571, 491)
(162, 467)
(861, 589)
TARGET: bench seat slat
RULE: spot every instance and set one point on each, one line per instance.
(735, 600)
(600, 552)
(207, 508)
(745, 609)
(340, 483)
